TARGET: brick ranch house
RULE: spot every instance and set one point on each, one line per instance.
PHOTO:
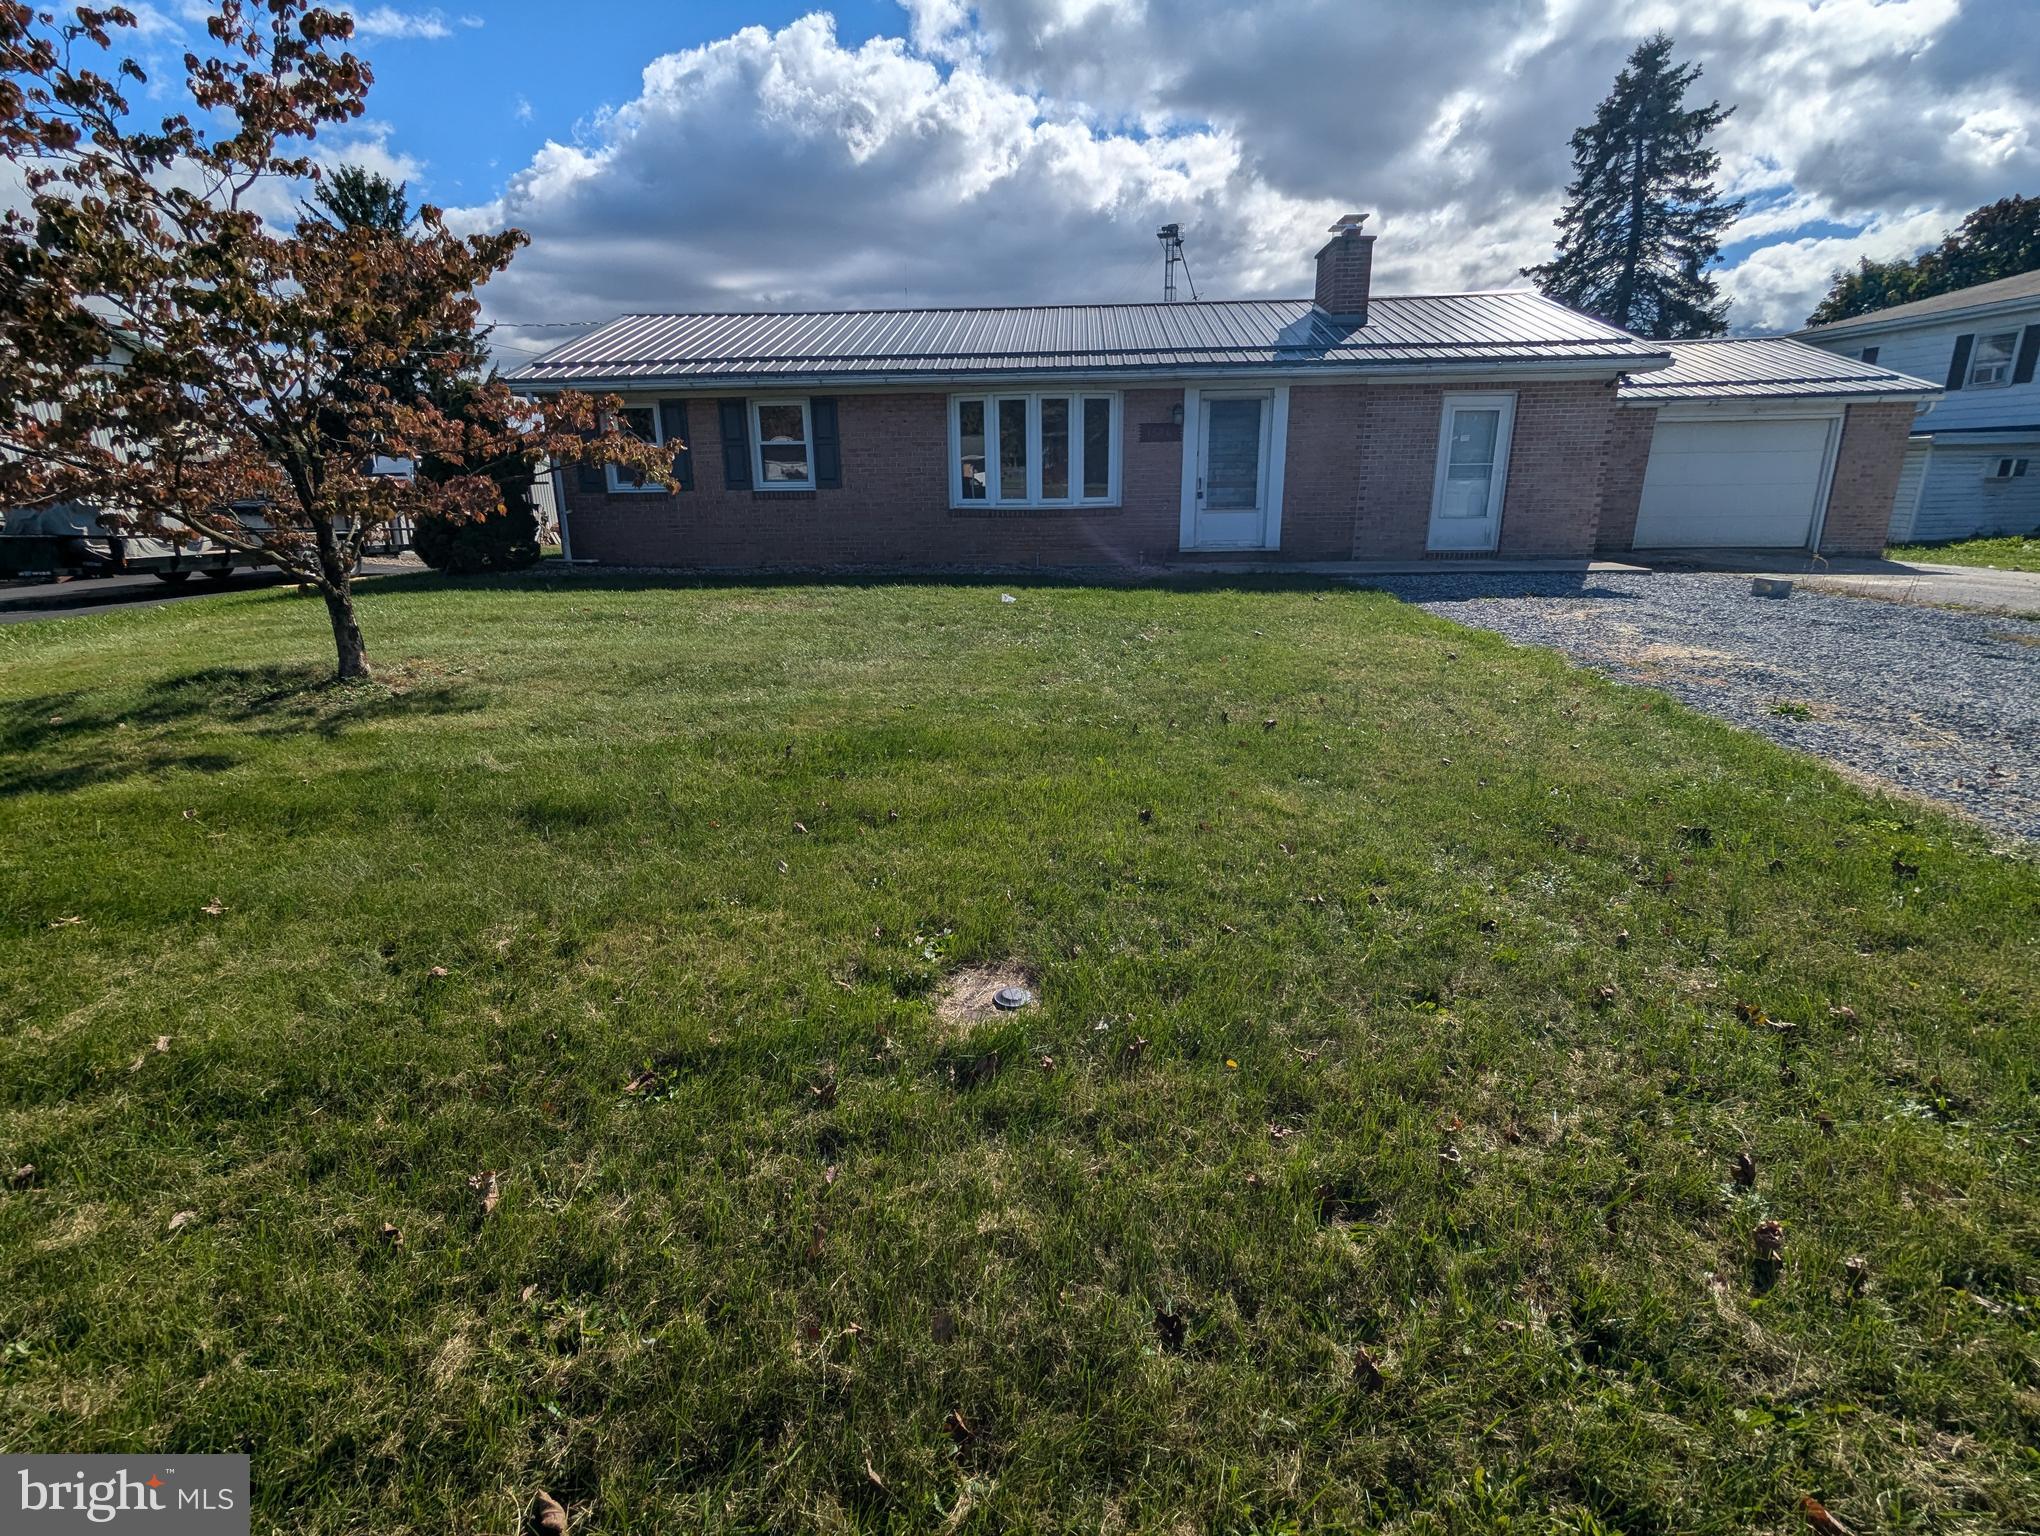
(1344, 427)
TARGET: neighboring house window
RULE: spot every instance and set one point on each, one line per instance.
(2007, 469)
(1991, 362)
(782, 437)
(1867, 355)
(642, 422)
(1041, 448)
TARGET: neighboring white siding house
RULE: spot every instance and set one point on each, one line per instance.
(1974, 464)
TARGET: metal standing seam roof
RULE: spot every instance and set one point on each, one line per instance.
(1247, 334)
(1764, 367)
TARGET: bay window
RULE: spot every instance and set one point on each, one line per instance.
(1033, 448)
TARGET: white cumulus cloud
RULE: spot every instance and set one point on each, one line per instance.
(1006, 151)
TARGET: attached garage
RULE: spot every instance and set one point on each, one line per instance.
(1753, 482)
(1764, 443)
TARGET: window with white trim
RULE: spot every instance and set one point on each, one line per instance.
(2007, 469)
(1033, 448)
(1991, 362)
(642, 423)
(782, 445)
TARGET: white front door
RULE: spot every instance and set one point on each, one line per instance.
(1232, 471)
(1473, 471)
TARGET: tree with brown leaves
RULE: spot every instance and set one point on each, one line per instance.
(175, 354)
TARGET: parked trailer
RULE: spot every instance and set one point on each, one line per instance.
(68, 541)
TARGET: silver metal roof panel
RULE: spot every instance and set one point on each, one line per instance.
(1764, 367)
(1257, 334)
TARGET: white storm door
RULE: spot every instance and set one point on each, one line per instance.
(1473, 468)
(1232, 471)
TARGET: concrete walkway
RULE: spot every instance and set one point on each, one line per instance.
(1892, 581)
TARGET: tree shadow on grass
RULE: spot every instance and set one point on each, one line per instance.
(51, 743)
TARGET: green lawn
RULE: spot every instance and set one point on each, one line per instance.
(2012, 552)
(1391, 993)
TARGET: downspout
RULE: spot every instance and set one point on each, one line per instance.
(559, 481)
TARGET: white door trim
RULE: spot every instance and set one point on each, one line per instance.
(1498, 486)
(1278, 458)
(1836, 424)
(1274, 461)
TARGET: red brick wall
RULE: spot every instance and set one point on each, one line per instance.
(1358, 477)
(1866, 478)
(1622, 476)
(1363, 457)
(1859, 501)
(892, 509)
(1321, 470)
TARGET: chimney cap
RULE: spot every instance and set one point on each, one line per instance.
(1348, 223)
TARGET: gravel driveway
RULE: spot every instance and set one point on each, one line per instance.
(1939, 703)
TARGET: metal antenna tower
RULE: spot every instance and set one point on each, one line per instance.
(1171, 236)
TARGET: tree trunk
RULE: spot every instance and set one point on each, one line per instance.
(353, 655)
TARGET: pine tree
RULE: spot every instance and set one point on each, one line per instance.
(1643, 217)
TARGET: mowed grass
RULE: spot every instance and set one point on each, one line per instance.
(2011, 552)
(1389, 981)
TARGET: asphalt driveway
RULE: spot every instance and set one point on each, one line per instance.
(1932, 701)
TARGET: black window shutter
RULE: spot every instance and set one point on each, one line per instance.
(1869, 354)
(736, 444)
(2029, 354)
(1958, 369)
(828, 447)
(673, 432)
(589, 479)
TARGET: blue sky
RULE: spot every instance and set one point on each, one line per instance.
(478, 103)
(734, 154)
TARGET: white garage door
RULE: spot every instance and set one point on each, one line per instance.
(1753, 483)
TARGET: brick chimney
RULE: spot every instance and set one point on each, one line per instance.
(1344, 268)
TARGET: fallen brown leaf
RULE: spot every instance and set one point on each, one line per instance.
(489, 1185)
(67, 922)
(1818, 1517)
(959, 1428)
(391, 1235)
(1366, 1369)
(437, 972)
(548, 1516)
(1745, 1171)
(23, 1176)
(182, 1220)
(1769, 1239)
(214, 907)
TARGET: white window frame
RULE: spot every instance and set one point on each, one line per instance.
(2003, 471)
(990, 399)
(618, 486)
(2001, 369)
(807, 429)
